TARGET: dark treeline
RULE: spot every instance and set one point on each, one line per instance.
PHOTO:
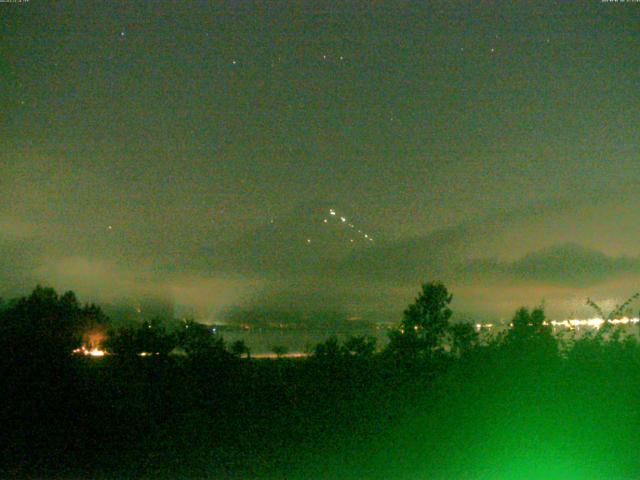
(173, 400)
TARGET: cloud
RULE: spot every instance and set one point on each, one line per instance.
(490, 263)
(98, 278)
(600, 221)
(566, 265)
(440, 252)
(106, 281)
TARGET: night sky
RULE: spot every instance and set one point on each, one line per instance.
(192, 151)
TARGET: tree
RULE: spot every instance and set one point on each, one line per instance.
(122, 342)
(94, 327)
(529, 332)
(328, 350)
(197, 340)
(463, 337)
(279, 350)
(617, 312)
(239, 348)
(45, 327)
(152, 338)
(360, 346)
(147, 338)
(425, 323)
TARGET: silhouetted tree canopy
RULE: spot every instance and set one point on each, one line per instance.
(362, 346)
(153, 338)
(279, 350)
(328, 350)
(123, 341)
(159, 407)
(197, 340)
(529, 332)
(425, 323)
(150, 337)
(45, 326)
(240, 348)
(463, 338)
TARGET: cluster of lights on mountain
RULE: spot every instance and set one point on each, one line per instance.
(343, 220)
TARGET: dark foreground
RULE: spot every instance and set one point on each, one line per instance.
(492, 414)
